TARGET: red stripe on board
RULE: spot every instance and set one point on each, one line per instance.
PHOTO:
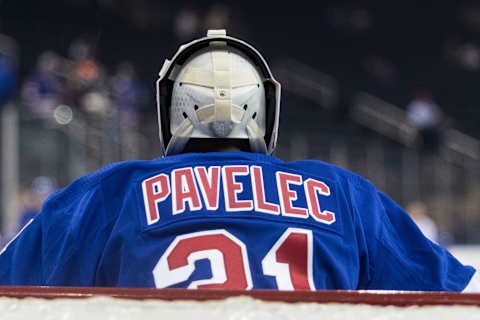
(351, 297)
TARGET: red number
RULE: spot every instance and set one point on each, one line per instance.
(227, 256)
(290, 260)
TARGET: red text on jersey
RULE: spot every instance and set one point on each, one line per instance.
(199, 188)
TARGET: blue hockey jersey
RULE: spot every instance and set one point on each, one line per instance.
(229, 220)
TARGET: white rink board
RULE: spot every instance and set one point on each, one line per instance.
(235, 308)
(467, 254)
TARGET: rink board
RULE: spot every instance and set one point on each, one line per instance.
(113, 303)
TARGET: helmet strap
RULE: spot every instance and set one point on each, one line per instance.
(257, 143)
(180, 137)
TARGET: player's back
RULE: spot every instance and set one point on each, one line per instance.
(230, 220)
(227, 220)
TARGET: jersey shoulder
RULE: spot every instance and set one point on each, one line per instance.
(113, 178)
(332, 172)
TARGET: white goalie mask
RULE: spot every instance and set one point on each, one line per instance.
(217, 87)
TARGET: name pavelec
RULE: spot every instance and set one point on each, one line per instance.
(187, 185)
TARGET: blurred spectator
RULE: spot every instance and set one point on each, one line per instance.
(86, 87)
(427, 117)
(187, 23)
(464, 54)
(128, 93)
(81, 49)
(468, 56)
(33, 198)
(42, 90)
(418, 212)
(129, 98)
(8, 64)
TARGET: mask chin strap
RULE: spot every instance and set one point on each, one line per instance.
(180, 137)
(257, 143)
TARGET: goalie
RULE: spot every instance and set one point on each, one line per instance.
(218, 211)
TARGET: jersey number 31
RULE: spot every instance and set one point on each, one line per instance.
(289, 261)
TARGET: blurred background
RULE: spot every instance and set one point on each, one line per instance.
(387, 90)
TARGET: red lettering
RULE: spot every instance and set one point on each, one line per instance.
(209, 182)
(231, 188)
(155, 190)
(185, 191)
(259, 193)
(312, 189)
(287, 196)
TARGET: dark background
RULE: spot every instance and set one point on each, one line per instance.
(414, 39)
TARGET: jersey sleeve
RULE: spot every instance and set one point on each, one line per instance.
(61, 245)
(399, 256)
